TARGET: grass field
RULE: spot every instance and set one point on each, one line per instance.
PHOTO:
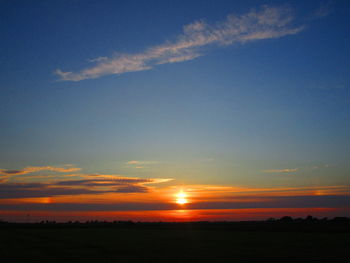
(168, 244)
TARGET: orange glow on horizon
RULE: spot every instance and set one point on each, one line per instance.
(182, 215)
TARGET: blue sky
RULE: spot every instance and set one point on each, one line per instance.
(258, 97)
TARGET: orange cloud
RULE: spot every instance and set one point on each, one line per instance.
(140, 164)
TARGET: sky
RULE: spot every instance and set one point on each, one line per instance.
(174, 110)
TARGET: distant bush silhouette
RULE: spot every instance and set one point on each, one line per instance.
(285, 223)
(286, 219)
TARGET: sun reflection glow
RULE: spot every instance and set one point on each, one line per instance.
(181, 198)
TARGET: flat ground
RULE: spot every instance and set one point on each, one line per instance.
(168, 244)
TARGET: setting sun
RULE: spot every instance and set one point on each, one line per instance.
(181, 198)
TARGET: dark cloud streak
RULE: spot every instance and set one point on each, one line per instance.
(75, 187)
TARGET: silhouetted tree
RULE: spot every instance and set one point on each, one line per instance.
(286, 219)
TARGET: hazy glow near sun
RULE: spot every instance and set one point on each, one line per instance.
(181, 198)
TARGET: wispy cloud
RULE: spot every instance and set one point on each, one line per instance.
(323, 10)
(264, 23)
(139, 164)
(281, 170)
(134, 162)
(96, 185)
(33, 169)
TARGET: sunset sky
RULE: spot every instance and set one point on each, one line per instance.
(174, 110)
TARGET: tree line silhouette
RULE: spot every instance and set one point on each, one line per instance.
(285, 223)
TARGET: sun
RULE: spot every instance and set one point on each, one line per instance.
(181, 198)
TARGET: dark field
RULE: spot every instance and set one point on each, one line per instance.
(174, 243)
